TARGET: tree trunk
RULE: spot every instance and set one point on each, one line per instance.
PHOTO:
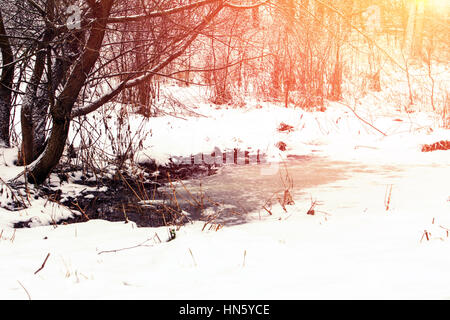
(39, 93)
(31, 113)
(42, 103)
(6, 82)
(410, 28)
(336, 78)
(61, 111)
(418, 31)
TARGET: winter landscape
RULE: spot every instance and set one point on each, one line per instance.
(224, 149)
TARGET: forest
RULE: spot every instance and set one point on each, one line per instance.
(282, 149)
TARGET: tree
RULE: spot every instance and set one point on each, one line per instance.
(6, 82)
(68, 62)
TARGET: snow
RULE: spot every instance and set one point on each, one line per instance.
(40, 212)
(359, 251)
(353, 247)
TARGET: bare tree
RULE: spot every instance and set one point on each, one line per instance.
(6, 82)
(112, 51)
(70, 66)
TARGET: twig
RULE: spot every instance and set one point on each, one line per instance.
(192, 255)
(387, 197)
(137, 196)
(13, 194)
(81, 210)
(26, 291)
(43, 264)
(365, 121)
(425, 234)
(174, 191)
(133, 247)
(157, 237)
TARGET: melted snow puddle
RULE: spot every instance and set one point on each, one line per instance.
(246, 188)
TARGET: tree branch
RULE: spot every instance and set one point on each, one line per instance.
(133, 81)
(162, 13)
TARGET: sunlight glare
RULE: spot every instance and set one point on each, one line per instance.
(438, 4)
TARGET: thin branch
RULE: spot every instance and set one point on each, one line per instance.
(162, 13)
(26, 291)
(134, 81)
(365, 121)
(43, 264)
(143, 244)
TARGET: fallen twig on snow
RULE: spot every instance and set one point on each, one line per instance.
(365, 121)
(143, 244)
(26, 291)
(43, 264)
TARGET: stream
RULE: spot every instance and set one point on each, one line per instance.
(245, 188)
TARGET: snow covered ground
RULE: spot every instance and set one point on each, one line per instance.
(358, 250)
(358, 244)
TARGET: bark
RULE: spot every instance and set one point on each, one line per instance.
(41, 104)
(34, 113)
(6, 82)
